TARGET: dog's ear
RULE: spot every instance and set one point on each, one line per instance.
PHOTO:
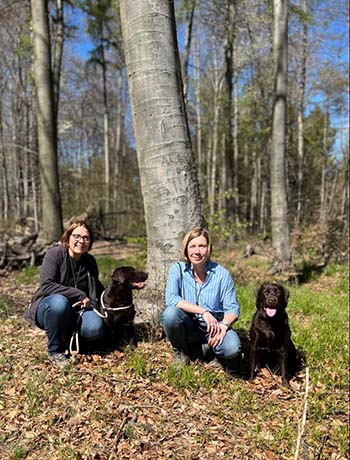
(121, 274)
(256, 292)
(286, 294)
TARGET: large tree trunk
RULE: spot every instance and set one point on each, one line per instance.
(279, 215)
(51, 228)
(167, 166)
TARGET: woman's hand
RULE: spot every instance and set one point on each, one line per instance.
(85, 303)
(217, 338)
(212, 323)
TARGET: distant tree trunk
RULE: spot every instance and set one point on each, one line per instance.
(300, 119)
(254, 191)
(106, 133)
(197, 88)
(279, 215)
(51, 228)
(16, 154)
(5, 187)
(188, 39)
(213, 159)
(263, 204)
(323, 191)
(167, 165)
(235, 128)
(345, 196)
(214, 151)
(117, 144)
(57, 62)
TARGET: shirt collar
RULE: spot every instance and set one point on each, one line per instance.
(209, 268)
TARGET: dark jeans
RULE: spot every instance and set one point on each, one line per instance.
(56, 316)
(184, 331)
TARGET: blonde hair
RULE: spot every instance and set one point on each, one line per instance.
(75, 224)
(195, 232)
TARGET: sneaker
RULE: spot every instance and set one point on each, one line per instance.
(207, 352)
(215, 364)
(59, 360)
(180, 360)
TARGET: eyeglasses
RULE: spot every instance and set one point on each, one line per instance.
(85, 239)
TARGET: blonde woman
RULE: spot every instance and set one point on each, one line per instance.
(200, 302)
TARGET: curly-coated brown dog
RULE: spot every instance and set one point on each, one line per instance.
(270, 334)
(117, 306)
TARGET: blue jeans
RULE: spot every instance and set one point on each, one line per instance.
(56, 316)
(184, 331)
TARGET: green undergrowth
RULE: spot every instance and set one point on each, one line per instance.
(264, 416)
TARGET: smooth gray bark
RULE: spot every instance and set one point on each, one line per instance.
(51, 228)
(166, 161)
(279, 212)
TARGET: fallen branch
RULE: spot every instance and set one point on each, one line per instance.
(301, 426)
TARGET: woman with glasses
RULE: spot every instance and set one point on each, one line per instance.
(201, 304)
(69, 289)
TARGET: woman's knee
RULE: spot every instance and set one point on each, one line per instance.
(230, 347)
(92, 326)
(55, 305)
(171, 317)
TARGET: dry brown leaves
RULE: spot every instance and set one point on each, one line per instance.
(101, 409)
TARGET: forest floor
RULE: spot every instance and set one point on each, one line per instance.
(133, 405)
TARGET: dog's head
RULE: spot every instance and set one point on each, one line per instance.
(271, 299)
(129, 277)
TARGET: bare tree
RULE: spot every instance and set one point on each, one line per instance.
(51, 228)
(167, 166)
(300, 116)
(190, 8)
(279, 214)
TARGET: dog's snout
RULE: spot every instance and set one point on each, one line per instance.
(272, 300)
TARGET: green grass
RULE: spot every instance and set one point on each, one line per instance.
(106, 265)
(19, 452)
(4, 307)
(28, 275)
(264, 417)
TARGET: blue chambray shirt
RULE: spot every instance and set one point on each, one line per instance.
(217, 294)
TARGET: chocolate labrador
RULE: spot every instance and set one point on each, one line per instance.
(270, 334)
(116, 305)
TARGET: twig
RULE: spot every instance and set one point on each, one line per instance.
(324, 441)
(178, 433)
(119, 434)
(271, 373)
(303, 420)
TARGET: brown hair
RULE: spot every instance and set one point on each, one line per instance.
(190, 235)
(73, 225)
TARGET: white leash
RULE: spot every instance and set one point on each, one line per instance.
(75, 335)
(107, 309)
